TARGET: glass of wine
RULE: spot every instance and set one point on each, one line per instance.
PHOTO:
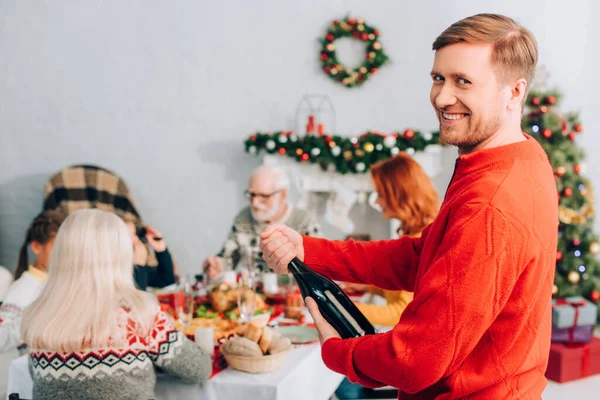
(247, 298)
(185, 308)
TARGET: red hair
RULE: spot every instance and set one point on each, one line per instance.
(407, 191)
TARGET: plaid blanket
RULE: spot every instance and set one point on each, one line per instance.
(87, 186)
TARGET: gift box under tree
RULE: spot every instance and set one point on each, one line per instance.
(573, 320)
(570, 362)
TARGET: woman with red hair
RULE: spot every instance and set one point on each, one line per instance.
(405, 193)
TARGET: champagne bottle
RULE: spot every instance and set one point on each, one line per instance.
(334, 304)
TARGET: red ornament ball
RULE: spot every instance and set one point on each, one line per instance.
(551, 100)
(536, 101)
(364, 36)
(281, 151)
(351, 21)
(577, 168)
(409, 134)
(329, 37)
(547, 133)
(304, 156)
(355, 144)
(376, 32)
(576, 242)
(558, 256)
(356, 34)
(323, 56)
(253, 137)
(595, 296)
(327, 69)
(335, 22)
(578, 128)
(568, 192)
(571, 137)
(373, 70)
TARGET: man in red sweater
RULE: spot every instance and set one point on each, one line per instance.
(482, 272)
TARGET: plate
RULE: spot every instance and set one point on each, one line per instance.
(299, 334)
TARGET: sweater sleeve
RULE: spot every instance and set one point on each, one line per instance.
(162, 275)
(10, 327)
(466, 285)
(387, 264)
(170, 350)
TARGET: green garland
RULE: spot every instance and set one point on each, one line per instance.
(374, 57)
(337, 153)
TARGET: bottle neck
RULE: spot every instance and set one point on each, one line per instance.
(298, 267)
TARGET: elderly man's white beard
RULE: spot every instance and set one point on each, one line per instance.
(262, 213)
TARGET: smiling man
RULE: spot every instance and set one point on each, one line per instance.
(482, 272)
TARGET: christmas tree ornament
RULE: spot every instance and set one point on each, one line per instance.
(410, 151)
(535, 101)
(360, 167)
(577, 168)
(270, 145)
(560, 171)
(359, 153)
(577, 128)
(299, 152)
(554, 290)
(571, 137)
(558, 256)
(576, 242)
(252, 149)
(379, 147)
(315, 151)
(595, 296)
(369, 147)
(574, 277)
(282, 151)
(551, 100)
(335, 151)
(394, 151)
(283, 139)
(547, 133)
(595, 248)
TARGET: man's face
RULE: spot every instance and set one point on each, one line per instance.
(468, 100)
(265, 200)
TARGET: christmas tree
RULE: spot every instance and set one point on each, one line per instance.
(577, 265)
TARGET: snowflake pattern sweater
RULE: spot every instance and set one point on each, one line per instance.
(120, 373)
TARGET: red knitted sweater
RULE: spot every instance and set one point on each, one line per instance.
(482, 274)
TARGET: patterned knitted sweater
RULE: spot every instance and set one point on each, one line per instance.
(120, 372)
(245, 231)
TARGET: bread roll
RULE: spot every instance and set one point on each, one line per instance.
(242, 347)
(253, 332)
(265, 340)
(279, 344)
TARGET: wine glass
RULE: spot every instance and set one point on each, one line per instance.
(185, 308)
(246, 299)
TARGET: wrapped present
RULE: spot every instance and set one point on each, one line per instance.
(571, 362)
(170, 302)
(574, 334)
(573, 311)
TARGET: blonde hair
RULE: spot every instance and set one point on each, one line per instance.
(515, 53)
(90, 280)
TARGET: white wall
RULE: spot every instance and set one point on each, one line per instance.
(165, 92)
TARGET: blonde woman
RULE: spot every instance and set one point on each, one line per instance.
(91, 333)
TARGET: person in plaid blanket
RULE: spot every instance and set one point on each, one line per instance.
(267, 193)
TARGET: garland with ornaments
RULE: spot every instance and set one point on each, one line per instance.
(375, 57)
(339, 153)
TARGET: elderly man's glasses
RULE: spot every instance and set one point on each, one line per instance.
(261, 196)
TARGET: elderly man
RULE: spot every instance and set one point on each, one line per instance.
(268, 196)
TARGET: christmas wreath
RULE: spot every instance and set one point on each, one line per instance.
(375, 57)
(341, 154)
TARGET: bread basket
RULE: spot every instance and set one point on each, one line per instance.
(255, 364)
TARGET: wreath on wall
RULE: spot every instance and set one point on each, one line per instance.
(375, 57)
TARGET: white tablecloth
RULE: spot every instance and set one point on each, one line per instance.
(303, 376)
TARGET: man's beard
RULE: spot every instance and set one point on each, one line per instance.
(264, 213)
(470, 135)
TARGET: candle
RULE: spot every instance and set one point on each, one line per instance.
(204, 338)
(311, 120)
(270, 282)
(309, 128)
(321, 129)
